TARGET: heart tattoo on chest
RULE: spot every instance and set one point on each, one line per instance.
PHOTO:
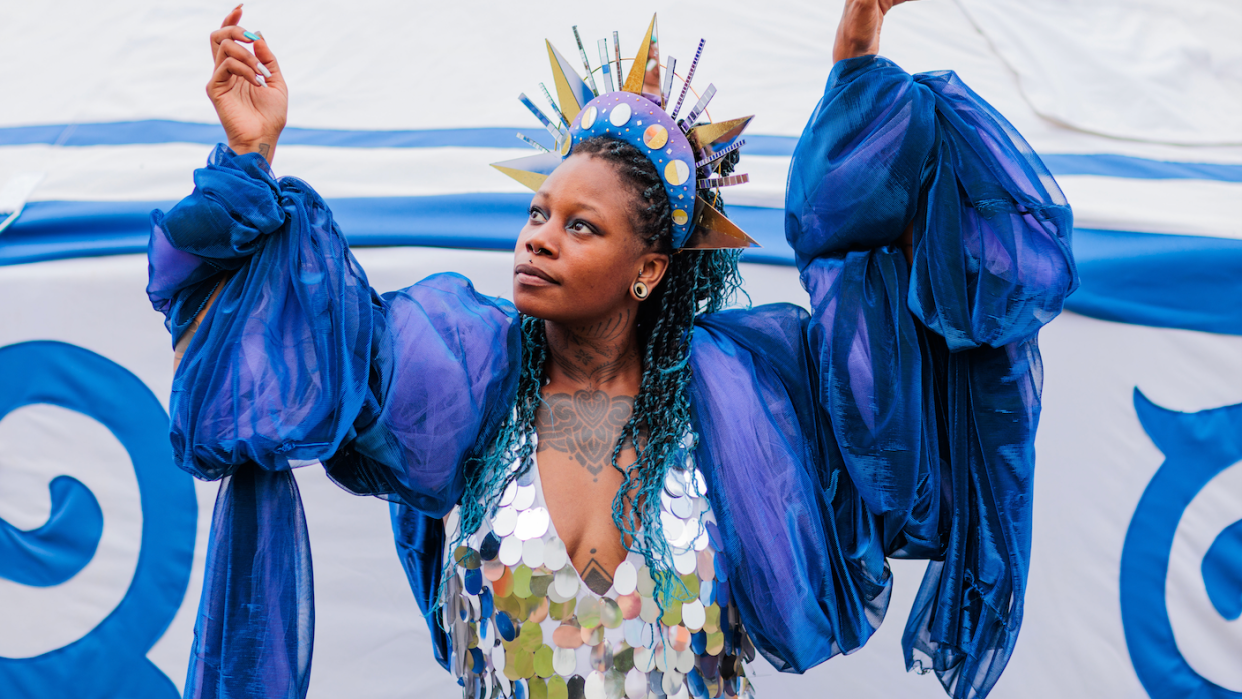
(585, 425)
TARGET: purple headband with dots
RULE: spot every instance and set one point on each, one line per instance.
(641, 123)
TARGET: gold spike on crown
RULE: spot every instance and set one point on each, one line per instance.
(686, 154)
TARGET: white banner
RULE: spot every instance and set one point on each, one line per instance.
(89, 594)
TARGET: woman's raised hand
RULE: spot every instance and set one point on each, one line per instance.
(247, 90)
(859, 31)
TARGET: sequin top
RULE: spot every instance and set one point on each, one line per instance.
(524, 624)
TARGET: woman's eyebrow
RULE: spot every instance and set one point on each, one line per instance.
(587, 206)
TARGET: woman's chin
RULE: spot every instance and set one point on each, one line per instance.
(529, 303)
(557, 305)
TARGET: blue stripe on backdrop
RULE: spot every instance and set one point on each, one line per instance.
(1166, 281)
(163, 131)
(49, 230)
(126, 133)
(1108, 165)
(52, 230)
(1172, 281)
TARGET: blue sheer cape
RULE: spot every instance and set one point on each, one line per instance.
(896, 419)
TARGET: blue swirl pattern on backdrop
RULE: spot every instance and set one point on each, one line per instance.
(110, 660)
(51, 554)
(1222, 572)
(1197, 447)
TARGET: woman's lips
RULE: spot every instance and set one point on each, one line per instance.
(531, 275)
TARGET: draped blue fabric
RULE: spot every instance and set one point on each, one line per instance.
(896, 419)
(929, 380)
(274, 374)
(294, 364)
(256, 617)
(269, 382)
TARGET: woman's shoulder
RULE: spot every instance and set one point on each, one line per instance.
(756, 324)
(748, 339)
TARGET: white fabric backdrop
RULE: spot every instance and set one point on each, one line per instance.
(1152, 80)
(378, 65)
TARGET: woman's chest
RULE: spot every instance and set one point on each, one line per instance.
(583, 451)
(521, 615)
(580, 505)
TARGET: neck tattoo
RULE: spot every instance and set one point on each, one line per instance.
(584, 425)
(596, 354)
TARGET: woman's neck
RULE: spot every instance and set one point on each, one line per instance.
(602, 356)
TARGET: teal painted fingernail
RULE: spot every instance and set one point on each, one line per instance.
(251, 36)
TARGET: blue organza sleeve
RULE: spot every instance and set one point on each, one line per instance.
(443, 376)
(805, 565)
(299, 361)
(277, 371)
(911, 432)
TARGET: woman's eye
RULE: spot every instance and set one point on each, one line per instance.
(580, 227)
(536, 215)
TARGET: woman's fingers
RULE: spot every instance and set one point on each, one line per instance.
(230, 49)
(225, 30)
(229, 43)
(266, 58)
(224, 45)
(264, 52)
(219, 36)
(222, 78)
(232, 18)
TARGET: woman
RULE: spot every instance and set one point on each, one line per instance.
(613, 486)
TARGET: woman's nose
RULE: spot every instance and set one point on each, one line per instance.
(538, 243)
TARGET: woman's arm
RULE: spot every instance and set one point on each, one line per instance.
(898, 418)
(184, 341)
(248, 90)
(858, 34)
(252, 110)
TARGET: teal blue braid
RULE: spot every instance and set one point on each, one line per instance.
(660, 428)
(488, 476)
(697, 282)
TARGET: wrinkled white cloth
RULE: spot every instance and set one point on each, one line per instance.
(1160, 71)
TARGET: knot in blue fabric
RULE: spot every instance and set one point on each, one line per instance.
(853, 185)
(234, 207)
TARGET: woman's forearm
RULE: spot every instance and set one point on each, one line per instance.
(247, 89)
(858, 34)
(184, 341)
(265, 147)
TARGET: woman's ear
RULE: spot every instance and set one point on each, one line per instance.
(653, 267)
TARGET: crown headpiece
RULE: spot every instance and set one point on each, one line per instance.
(686, 154)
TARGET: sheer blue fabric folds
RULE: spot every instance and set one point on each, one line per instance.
(277, 372)
(268, 383)
(926, 377)
(256, 617)
(295, 363)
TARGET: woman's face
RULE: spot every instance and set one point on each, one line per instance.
(578, 256)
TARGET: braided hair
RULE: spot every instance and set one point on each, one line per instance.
(697, 281)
